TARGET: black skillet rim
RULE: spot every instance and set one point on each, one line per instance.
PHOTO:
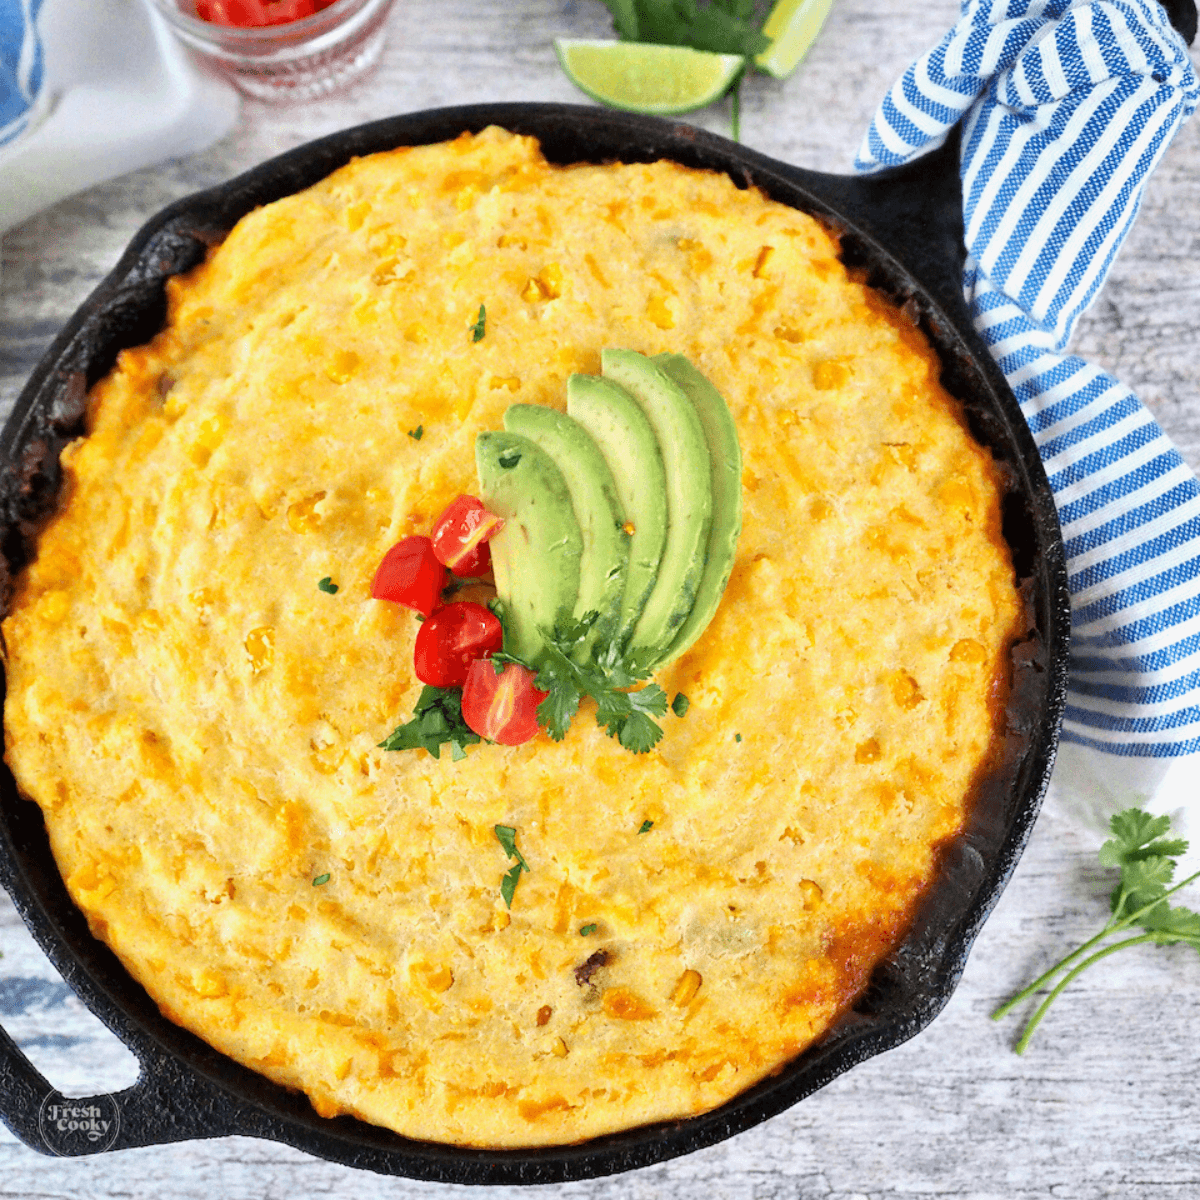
(904, 228)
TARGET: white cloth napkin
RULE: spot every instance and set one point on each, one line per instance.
(1066, 106)
(117, 93)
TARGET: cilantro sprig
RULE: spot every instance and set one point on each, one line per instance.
(1145, 856)
(569, 670)
(721, 26)
(437, 721)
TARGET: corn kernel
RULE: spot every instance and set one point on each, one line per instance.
(658, 309)
(969, 651)
(830, 374)
(343, 367)
(905, 691)
(625, 1005)
(303, 516)
(867, 752)
(54, 606)
(260, 646)
(686, 988)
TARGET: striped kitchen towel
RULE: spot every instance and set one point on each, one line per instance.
(20, 65)
(1066, 106)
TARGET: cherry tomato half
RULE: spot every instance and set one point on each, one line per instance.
(452, 639)
(460, 537)
(410, 575)
(501, 708)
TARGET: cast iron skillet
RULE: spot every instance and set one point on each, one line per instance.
(904, 228)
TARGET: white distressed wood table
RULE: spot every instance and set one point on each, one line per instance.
(1107, 1102)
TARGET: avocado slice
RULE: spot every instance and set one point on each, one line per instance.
(535, 556)
(684, 449)
(605, 557)
(725, 454)
(625, 437)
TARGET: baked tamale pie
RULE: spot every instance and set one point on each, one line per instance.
(675, 879)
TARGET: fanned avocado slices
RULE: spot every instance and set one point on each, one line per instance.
(605, 555)
(680, 435)
(725, 460)
(629, 506)
(536, 556)
(626, 439)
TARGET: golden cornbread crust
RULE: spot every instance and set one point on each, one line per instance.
(199, 721)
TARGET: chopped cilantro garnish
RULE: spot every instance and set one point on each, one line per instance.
(680, 704)
(508, 885)
(629, 716)
(479, 327)
(506, 835)
(321, 879)
(437, 720)
(417, 434)
(327, 585)
(586, 930)
(646, 827)
(737, 737)
(723, 27)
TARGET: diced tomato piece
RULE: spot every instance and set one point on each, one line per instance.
(460, 537)
(501, 708)
(252, 14)
(452, 639)
(411, 575)
(246, 14)
(284, 11)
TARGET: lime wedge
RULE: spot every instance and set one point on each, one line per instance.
(647, 78)
(792, 27)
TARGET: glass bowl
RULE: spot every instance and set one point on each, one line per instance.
(300, 60)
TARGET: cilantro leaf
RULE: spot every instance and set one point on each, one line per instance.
(1171, 924)
(1145, 857)
(508, 885)
(568, 670)
(722, 26)
(437, 720)
(479, 325)
(506, 835)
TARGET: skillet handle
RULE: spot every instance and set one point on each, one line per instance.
(915, 210)
(168, 1103)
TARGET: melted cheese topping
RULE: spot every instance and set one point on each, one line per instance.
(199, 721)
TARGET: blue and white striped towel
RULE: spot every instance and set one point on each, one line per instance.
(20, 65)
(1066, 106)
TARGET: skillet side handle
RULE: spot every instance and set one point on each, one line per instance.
(915, 210)
(168, 1103)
